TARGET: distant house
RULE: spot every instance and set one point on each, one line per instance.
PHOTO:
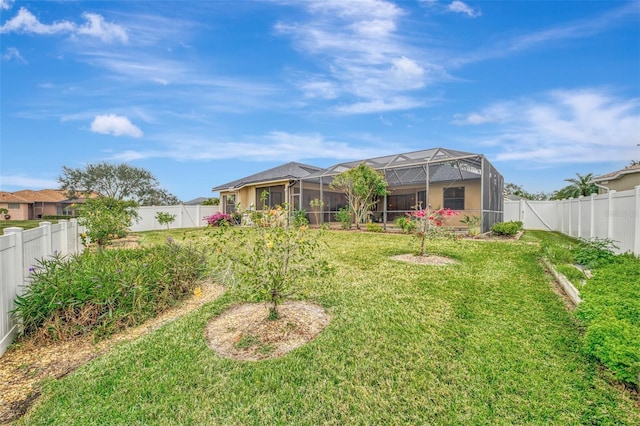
(32, 205)
(442, 178)
(620, 180)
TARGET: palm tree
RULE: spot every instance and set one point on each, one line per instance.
(581, 185)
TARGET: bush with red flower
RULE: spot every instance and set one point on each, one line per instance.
(219, 219)
(430, 223)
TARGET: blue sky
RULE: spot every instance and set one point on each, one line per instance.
(200, 93)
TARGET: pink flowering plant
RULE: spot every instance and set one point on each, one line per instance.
(430, 223)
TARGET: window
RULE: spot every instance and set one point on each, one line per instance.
(13, 206)
(453, 198)
(272, 196)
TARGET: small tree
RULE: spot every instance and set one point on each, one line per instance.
(317, 205)
(106, 218)
(269, 260)
(165, 218)
(4, 213)
(362, 185)
(429, 222)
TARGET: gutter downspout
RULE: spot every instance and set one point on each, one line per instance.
(601, 186)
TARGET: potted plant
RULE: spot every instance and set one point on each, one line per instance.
(5, 213)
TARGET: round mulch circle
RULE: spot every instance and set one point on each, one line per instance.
(244, 332)
(424, 259)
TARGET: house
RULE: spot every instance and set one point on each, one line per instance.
(439, 177)
(32, 205)
(620, 180)
(273, 185)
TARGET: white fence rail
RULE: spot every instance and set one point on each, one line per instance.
(615, 215)
(21, 250)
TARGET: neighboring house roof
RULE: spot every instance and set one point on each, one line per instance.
(28, 196)
(290, 170)
(44, 195)
(634, 168)
(196, 201)
(8, 197)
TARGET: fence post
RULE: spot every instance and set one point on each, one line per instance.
(180, 216)
(48, 240)
(521, 211)
(610, 214)
(19, 264)
(570, 217)
(636, 239)
(580, 216)
(592, 223)
(64, 245)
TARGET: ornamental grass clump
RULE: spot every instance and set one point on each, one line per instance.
(100, 292)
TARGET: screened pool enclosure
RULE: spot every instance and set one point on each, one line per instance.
(440, 178)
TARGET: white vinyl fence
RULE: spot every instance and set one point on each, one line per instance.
(21, 250)
(186, 217)
(615, 215)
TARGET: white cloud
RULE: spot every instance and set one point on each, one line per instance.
(379, 105)
(319, 89)
(6, 4)
(563, 126)
(461, 7)
(116, 125)
(273, 146)
(105, 31)
(549, 36)
(26, 22)
(13, 54)
(362, 53)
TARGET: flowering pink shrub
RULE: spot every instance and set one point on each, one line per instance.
(428, 220)
(219, 219)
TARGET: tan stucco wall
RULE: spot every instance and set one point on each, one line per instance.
(625, 183)
(472, 200)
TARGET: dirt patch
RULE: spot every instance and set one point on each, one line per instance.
(26, 363)
(244, 332)
(425, 259)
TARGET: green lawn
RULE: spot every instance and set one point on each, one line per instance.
(486, 341)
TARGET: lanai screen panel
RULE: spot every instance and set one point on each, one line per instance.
(493, 199)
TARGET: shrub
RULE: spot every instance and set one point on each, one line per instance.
(299, 218)
(405, 223)
(595, 252)
(374, 227)
(508, 229)
(105, 219)
(611, 313)
(343, 216)
(219, 219)
(99, 292)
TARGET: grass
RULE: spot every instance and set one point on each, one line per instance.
(486, 341)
